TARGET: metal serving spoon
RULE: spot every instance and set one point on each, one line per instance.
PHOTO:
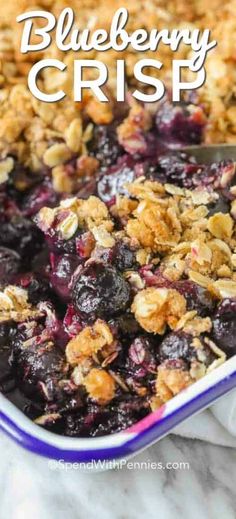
(206, 154)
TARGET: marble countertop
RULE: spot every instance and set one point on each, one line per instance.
(30, 488)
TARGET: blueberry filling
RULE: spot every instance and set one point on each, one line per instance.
(118, 290)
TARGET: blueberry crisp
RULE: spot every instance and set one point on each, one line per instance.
(117, 271)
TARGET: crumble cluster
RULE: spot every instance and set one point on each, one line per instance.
(43, 135)
(14, 305)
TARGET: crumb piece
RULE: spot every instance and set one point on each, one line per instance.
(6, 166)
(130, 131)
(224, 288)
(173, 267)
(100, 113)
(86, 166)
(73, 135)
(154, 226)
(81, 370)
(89, 341)
(201, 196)
(171, 380)
(143, 256)
(94, 212)
(197, 370)
(45, 218)
(103, 237)
(47, 419)
(100, 386)
(73, 213)
(198, 325)
(154, 308)
(61, 180)
(155, 402)
(134, 279)
(57, 154)
(147, 190)
(14, 305)
(221, 225)
(123, 207)
(200, 252)
(68, 225)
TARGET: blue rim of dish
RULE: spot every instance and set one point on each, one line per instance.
(133, 445)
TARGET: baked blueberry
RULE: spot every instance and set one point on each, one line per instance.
(124, 257)
(105, 146)
(224, 326)
(180, 123)
(10, 263)
(113, 180)
(100, 291)
(177, 346)
(62, 270)
(38, 289)
(38, 197)
(37, 365)
(197, 297)
(20, 234)
(141, 363)
(174, 167)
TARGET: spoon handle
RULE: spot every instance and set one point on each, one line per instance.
(207, 154)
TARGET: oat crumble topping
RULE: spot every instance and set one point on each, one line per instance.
(88, 342)
(28, 126)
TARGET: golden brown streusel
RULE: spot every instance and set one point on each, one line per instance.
(123, 207)
(155, 226)
(154, 308)
(73, 213)
(14, 305)
(62, 120)
(100, 385)
(88, 342)
(138, 120)
(170, 381)
(197, 325)
(6, 166)
(221, 226)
